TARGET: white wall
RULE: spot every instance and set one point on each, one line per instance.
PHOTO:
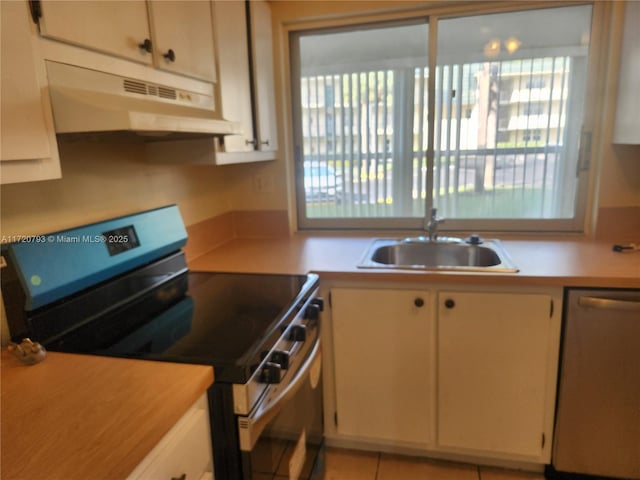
(103, 180)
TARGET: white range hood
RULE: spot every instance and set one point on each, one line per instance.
(87, 101)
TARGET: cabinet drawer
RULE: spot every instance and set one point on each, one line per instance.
(184, 450)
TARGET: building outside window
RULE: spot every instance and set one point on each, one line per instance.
(537, 81)
(531, 135)
(499, 148)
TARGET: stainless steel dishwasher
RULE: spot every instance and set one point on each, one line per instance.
(598, 419)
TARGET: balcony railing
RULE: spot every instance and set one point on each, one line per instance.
(360, 161)
(518, 182)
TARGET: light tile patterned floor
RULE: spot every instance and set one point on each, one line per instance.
(356, 465)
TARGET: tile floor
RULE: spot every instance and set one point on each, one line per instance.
(356, 465)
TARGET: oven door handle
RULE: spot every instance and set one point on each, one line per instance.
(251, 427)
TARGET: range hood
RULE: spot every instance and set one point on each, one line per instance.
(87, 101)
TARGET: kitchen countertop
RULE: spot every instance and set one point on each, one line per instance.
(89, 417)
(78, 416)
(550, 261)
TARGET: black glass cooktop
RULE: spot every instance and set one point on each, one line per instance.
(222, 319)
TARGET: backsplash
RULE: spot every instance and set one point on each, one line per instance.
(206, 235)
(104, 180)
(618, 224)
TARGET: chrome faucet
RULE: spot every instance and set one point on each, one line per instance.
(431, 225)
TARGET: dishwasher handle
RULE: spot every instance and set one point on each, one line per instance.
(609, 304)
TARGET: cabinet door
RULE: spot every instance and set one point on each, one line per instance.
(264, 84)
(234, 78)
(627, 129)
(117, 28)
(184, 452)
(382, 344)
(493, 364)
(28, 148)
(182, 34)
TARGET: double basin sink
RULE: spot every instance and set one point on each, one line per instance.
(445, 253)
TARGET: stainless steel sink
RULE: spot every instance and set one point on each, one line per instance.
(442, 254)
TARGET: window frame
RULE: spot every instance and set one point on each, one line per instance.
(432, 16)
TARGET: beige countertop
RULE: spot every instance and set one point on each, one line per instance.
(549, 261)
(77, 416)
(89, 417)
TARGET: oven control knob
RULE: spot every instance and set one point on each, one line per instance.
(281, 358)
(298, 333)
(270, 373)
(312, 312)
(319, 301)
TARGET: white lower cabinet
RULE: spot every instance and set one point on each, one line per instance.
(184, 452)
(452, 372)
(383, 364)
(497, 359)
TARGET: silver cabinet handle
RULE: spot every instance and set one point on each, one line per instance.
(609, 304)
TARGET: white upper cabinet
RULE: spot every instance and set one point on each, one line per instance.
(118, 28)
(175, 36)
(246, 79)
(28, 149)
(182, 36)
(234, 76)
(627, 128)
(263, 78)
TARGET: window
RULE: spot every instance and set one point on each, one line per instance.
(534, 109)
(531, 135)
(536, 81)
(490, 138)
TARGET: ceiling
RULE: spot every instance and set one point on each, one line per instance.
(544, 32)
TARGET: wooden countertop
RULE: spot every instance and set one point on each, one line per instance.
(88, 417)
(547, 262)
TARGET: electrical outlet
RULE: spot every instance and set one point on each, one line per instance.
(263, 183)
